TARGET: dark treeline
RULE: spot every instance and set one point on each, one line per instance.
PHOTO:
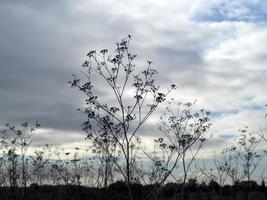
(119, 191)
(116, 163)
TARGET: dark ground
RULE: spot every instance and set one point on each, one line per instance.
(119, 191)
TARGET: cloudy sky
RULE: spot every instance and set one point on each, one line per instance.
(214, 51)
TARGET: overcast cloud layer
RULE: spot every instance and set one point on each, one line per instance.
(214, 51)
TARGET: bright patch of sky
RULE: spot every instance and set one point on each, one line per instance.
(232, 10)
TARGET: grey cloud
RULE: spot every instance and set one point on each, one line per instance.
(42, 44)
(57, 138)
